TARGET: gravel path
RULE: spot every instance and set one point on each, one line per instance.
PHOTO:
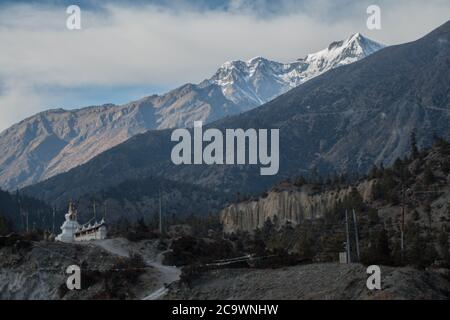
(166, 274)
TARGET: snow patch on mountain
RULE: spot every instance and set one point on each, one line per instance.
(260, 80)
(56, 141)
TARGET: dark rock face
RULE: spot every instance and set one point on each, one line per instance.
(287, 206)
(343, 121)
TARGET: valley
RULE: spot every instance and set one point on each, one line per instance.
(155, 206)
(341, 122)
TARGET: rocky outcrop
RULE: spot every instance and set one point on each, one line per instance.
(37, 271)
(291, 205)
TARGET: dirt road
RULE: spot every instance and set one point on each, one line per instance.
(152, 258)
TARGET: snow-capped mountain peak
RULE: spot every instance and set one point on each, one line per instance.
(343, 52)
(55, 141)
(260, 80)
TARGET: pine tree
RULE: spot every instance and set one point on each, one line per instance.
(414, 148)
(373, 216)
(428, 211)
(428, 176)
(3, 225)
(448, 211)
(415, 215)
(383, 249)
(305, 245)
(444, 246)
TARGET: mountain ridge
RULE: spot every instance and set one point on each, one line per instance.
(343, 121)
(57, 140)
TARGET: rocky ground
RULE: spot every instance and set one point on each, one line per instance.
(153, 258)
(36, 270)
(314, 281)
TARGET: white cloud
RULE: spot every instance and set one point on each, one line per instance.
(149, 45)
(17, 101)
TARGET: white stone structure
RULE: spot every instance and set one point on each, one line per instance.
(70, 226)
(73, 231)
(97, 231)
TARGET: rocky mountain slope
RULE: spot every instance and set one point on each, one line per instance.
(55, 141)
(426, 181)
(140, 198)
(342, 121)
(36, 270)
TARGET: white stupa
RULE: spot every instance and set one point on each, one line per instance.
(70, 226)
(72, 231)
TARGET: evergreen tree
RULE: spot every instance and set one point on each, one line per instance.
(442, 145)
(305, 249)
(3, 225)
(428, 212)
(141, 226)
(414, 148)
(444, 247)
(428, 176)
(378, 250)
(383, 249)
(415, 215)
(373, 216)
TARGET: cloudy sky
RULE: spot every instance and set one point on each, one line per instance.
(127, 50)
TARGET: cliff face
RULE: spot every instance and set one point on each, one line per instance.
(289, 205)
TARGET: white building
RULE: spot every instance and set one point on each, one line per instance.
(73, 231)
(97, 231)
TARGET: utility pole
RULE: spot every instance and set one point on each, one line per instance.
(27, 221)
(349, 260)
(402, 229)
(53, 226)
(95, 215)
(355, 222)
(20, 209)
(160, 214)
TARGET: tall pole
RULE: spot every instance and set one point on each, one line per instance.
(160, 214)
(53, 226)
(27, 221)
(95, 215)
(349, 260)
(20, 210)
(355, 222)
(402, 229)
